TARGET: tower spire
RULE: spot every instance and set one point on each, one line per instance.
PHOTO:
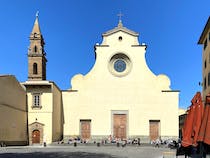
(36, 28)
(36, 54)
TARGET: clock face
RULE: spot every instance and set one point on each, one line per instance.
(119, 65)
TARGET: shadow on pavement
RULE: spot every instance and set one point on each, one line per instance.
(55, 155)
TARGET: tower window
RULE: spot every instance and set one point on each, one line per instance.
(35, 68)
(209, 36)
(209, 79)
(204, 83)
(205, 44)
(205, 64)
(35, 49)
(35, 35)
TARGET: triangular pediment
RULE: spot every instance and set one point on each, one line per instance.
(120, 27)
(36, 123)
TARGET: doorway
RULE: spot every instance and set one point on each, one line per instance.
(85, 129)
(120, 126)
(154, 131)
(36, 137)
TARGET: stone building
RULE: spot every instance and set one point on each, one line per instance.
(45, 108)
(13, 112)
(182, 116)
(205, 41)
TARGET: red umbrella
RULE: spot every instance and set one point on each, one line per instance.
(198, 114)
(202, 130)
(188, 125)
(206, 122)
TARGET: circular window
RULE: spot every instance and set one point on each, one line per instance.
(119, 65)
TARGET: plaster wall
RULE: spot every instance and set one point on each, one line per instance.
(13, 112)
(144, 95)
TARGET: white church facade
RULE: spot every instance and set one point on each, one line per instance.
(120, 96)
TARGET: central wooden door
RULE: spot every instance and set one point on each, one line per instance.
(154, 129)
(36, 136)
(120, 124)
(85, 129)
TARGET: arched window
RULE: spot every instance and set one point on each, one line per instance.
(35, 68)
(35, 49)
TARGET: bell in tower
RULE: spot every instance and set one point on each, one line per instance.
(36, 54)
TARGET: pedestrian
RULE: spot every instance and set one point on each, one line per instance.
(45, 140)
(157, 143)
(139, 141)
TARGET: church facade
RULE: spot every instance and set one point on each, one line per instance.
(120, 96)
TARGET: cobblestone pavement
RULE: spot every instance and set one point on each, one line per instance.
(85, 152)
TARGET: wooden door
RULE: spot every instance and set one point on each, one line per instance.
(154, 129)
(120, 123)
(85, 129)
(36, 136)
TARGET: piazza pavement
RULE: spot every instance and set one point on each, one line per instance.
(87, 151)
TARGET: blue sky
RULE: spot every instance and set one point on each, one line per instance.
(170, 28)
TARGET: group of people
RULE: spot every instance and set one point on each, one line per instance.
(113, 139)
(156, 142)
(167, 143)
(109, 140)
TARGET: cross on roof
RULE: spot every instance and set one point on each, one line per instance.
(120, 16)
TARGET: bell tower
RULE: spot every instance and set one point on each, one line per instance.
(36, 54)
